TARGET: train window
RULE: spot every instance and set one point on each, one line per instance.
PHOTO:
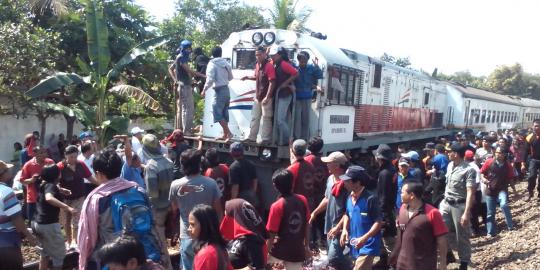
(476, 115)
(244, 59)
(483, 118)
(343, 86)
(493, 114)
(426, 99)
(488, 120)
(377, 76)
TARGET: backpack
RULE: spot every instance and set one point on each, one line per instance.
(132, 215)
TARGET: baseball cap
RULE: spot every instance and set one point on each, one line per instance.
(429, 146)
(84, 135)
(136, 130)
(274, 50)
(412, 155)
(151, 142)
(237, 148)
(403, 161)
(383, 152)
(336, 157)
(354, 172)
(469, 155)
(299, 147)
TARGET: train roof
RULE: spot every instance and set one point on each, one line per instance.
(529, 102)
(471, 92)
(332, 54)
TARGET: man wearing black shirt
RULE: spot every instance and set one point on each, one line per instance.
(242, 176)
(386, 192)
(532, 155)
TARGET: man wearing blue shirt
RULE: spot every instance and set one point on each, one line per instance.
(437, 182)
(362, 220)
(308, 75)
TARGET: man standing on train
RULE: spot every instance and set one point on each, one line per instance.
(265, 76)
(285, 75)
(307, 80)
(532, 155)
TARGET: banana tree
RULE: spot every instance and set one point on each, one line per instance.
(101, 77)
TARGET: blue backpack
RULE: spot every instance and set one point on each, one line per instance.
(132, 215)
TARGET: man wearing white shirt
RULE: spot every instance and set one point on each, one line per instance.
(137, 134)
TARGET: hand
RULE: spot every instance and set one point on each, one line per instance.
(344, 239)
(244, 78)
(311, 218)
(465, 218)
(332, 233)
(361, 242)
(265, 100)
(202, 93)
(315, 61)
(65, 191)
(34, 178)
(72, 210)
(523, 169)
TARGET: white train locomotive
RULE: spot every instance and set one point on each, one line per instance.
(366, 102)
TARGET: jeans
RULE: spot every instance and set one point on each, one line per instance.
(282, 115)
(534, 165)
(30, 211)
(188, 107)
(187, 254)
(220, 105)
(301, 118)
(336, 258)
(502, 199)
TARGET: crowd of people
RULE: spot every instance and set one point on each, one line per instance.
(120, 206)
(125, 205)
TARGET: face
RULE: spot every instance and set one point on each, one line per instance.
(405, 196)
(194, 228)
(41, 155)
(302, 61)
(499, 155)
(333, 168)
(452, 155)
(349, 185)
(485, 144)
(71, 158)
(501, 142)
(260, 56)
(403, 169)
(536, 128)
(275, 57)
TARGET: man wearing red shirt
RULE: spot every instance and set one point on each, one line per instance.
(421, 233)
(303, 172)
(30, 174)
(265, 76)
(285, 76)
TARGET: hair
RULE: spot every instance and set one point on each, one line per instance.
(191, 161)
(121, 250)
(403, 146)
(17, 146)
(363, 180)
(197, 51)
(283, 181)
(315, 145)
(37, 149)
(284, 55)
(439, 148)
(536, 121)
(261, 49)
(212, 157)
(415, 188)
(108, 163)
(216, 51)
(208, 220)
(71, 149)
(49, 174)
(86, 147)
(345, 165)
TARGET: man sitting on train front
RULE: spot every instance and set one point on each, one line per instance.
(308, 76)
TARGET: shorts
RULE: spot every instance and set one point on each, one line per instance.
(220, 106)
(51, 242)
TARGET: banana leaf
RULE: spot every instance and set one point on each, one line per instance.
(56, 82)
(59, 108)
(113, 126)
(136, 93)
(97, 37)
(137, 51)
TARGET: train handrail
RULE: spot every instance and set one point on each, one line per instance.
(291, 123)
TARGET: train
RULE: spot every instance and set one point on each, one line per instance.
(365, 101)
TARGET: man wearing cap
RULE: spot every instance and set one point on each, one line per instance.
(158, 176)
(405, 175)
(11, 223)
(362, 221)
(415, 165)
(137, 135)
(303, 172)
(265, 76)
(334, 202)
(242, 176)
(285, 76)
(458, 201)
(386, 193)
(429, 151)
(437, 174)
(307, 80)
(181, 74)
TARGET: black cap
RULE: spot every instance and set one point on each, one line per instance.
(383, 152)
(458, 148)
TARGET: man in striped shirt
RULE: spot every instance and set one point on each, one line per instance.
(11, 223)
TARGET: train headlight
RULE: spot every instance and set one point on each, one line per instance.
(257, 38)
(269, 38)
(266, 154)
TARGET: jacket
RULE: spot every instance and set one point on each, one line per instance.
(218, 73)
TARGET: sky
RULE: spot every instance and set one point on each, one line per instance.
(457, 35)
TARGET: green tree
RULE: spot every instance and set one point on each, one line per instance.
(285, 15)
(465, 78)
(398, 61)
(507, 80)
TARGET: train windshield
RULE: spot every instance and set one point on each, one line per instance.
(244, 59)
